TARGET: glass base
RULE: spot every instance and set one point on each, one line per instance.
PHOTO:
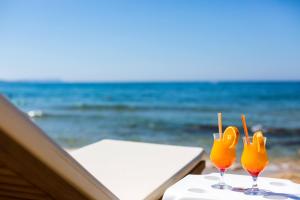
(221, 186)
(254, 191)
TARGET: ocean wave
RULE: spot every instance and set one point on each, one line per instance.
(200, 128)
(257, 127)
(83, 107)
(35, 113)
(272, 131)
(61, 115)
(132, 108)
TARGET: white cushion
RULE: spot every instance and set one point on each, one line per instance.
(134, 170)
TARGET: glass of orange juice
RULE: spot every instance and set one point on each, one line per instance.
(254, 159)
(223, 153)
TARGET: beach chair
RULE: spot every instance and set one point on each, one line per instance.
(34, 167)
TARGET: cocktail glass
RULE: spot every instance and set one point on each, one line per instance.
(254, 160)
(222, 156)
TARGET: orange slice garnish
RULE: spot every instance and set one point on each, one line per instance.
(258, 140)
(231, 136)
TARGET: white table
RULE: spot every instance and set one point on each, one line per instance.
(198, 187)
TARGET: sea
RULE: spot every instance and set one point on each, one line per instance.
(176, 113)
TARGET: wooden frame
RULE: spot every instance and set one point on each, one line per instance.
(25, 151)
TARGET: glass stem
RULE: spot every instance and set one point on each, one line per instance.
(254, 186)
(222, 182)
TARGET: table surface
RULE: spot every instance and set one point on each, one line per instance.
(198, 187)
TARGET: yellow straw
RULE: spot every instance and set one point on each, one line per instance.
(220, 124)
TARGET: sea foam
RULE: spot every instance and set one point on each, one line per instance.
(35, 113)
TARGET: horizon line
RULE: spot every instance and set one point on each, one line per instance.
(141, 81)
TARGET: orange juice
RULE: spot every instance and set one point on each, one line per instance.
(254, 157)
(222, 156)
(223, 152)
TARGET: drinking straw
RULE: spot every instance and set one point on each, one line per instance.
(245, 129)
(220, 124)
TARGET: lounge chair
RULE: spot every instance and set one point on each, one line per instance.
(32, 166)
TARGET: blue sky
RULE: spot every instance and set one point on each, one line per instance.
(150, 40)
